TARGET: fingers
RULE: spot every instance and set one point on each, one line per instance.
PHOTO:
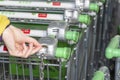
(32, 40)
(25, 49)
(35, 49)
(19, 47)
(25, 52)
(37, 46)
(29, 51)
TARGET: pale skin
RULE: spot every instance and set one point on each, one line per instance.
(15, 41)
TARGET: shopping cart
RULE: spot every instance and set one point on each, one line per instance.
(38, 67)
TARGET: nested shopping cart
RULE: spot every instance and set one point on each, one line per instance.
(39, 68)
(79, 14)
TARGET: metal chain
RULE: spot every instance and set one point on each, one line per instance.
(42, 67)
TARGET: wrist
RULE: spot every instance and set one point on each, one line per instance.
(3, 33)
(6, 32)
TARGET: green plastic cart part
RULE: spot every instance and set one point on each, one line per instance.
(30, 26)
(84, 19)
(112, 49)
(99, 75)
(63, 52)
(94, 7)
(103, 1)
(72, 35)
(118, 29)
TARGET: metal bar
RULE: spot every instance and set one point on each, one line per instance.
(86, 51)
(11, 78)
(42, 4)
(35, 33)
(23, 71)
(48, 72)
(34, 63)
(60, 71)
(31, 71)
(94, 34)
(117, 69)
(17, 72)
(4, 71)
(26, 15)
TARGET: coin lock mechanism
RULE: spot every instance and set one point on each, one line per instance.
(50, 48)
(60, 30)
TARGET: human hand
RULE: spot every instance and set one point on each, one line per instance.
(15, 41)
